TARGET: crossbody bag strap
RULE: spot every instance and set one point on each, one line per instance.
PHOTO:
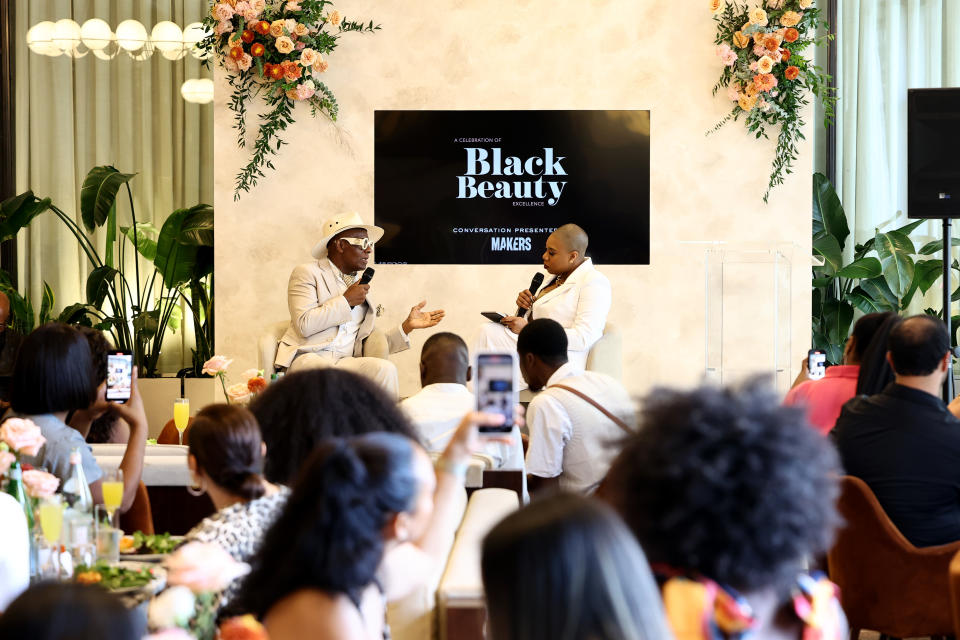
(617, 421)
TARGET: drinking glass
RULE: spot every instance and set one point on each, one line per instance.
(50, 512)
(108, 537)
(81, 540)
(181, 415)
(112, 486)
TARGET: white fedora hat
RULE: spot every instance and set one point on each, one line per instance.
(342, 222)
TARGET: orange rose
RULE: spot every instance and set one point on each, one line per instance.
(247, 36)
(276, 72)
(791, 72)
(740, 40)
(236, 53)
(785, 53)
(257, 50)
(255, 385)
(791, 35)
(291, 70)
(764, 81)
(262, 27)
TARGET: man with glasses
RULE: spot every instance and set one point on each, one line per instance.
(331, 313)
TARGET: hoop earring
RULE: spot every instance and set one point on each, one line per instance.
(197, 491)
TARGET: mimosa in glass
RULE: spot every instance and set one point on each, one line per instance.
(112, 486)
(181, 415)
(50, 513)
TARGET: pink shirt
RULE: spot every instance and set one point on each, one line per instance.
(825, 397)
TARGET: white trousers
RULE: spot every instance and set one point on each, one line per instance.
(382, 372)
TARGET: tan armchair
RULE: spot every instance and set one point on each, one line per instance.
(375, 346)
(887, 584)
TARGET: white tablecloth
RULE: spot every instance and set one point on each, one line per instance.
(164, 465)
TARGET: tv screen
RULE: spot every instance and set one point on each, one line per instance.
(933, 162)
(488, 187)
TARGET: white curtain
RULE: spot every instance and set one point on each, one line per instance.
(884, 48)
(74, 114)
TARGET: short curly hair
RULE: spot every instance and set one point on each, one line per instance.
(728, 484)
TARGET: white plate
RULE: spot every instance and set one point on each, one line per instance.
(154, 586)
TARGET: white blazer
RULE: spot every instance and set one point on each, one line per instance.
(317, 309)
(581, 305)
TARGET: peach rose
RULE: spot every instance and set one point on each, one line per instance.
(765, 64)
(300, 30)
(258, 5)
(293, 5)
(320, 66)
(22, 436)
(244, 62)
(805, 4)
(790, 18)
(230, 64)
(238, 393)
(740, 40)
(733, 92)
(308, 57)
(284, 44)
(40, 484)
(6, 459)
(775, 4)
(216, 365)
(291, 70)
(334, 18)
(791, 35)
(250, 14)
(758, 16)
(751, 89)
(716, 6)
(224, 26)
(276, 28)
(747, 103)
(290, 24)
(765, 81)
(203, 567)
(222, 11)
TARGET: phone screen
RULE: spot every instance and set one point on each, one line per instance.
(119, 376)
(496, 382)
(816, 364)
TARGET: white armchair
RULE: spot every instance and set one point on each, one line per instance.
(375, 346)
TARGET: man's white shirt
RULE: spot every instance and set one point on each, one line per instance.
(569, 437)
(436, 412)
(342, 346)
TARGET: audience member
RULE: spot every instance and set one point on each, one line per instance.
(437, 409)
(53, 376)
(14, 551)
(67, 611)
(904, 442)
(571, 429)
(317, 572)
(305, 407)
(824, 398)
(875, 372)
(226, 462)
(566, 567)
(729, 493)
(98, 423)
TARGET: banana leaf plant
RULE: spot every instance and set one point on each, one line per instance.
(886, 272)
(136, 311)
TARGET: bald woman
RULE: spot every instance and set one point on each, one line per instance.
(578, 298)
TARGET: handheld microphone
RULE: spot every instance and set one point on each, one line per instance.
(367, 275)
(534, 285)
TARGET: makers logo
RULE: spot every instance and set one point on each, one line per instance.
(481, 162)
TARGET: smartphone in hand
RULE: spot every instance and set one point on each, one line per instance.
(119, 376)
(816, 364)
(496, 388)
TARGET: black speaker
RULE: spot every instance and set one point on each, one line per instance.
(933, 153)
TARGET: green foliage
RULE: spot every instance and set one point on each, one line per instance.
(887, 280)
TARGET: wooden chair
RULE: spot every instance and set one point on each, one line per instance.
(169, 433)
(139, 517)
(955, 593)
(887, 584)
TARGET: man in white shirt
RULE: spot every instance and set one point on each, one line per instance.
(572, 441)
(437, 409)
(331, 313)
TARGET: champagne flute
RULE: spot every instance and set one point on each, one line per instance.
(51, 525)
(181, 415)
(112, 487)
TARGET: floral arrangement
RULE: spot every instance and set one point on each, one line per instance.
(242, 392)
(765, 74)
(20, 437)
(275, 48)
(197, 573)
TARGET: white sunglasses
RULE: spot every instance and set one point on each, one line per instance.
(363, 243)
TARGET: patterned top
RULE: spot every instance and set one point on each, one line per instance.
(239, 528)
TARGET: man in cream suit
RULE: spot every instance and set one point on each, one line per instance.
(331, 313)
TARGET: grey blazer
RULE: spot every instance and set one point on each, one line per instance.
(317, 309)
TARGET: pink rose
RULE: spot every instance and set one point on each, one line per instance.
(258, 5)
(299, 46)
(244, 62)
(733, 93)
(250, 14)
(306, 90)
(239, 393)
(231, 64)
(290, 24)
(753, 66)
(6, 459)
(203, 567)
(293, 5)
(726, 54)
(40, 484)
(22, 436)
(216, 365)
(223, 11)
(223, 27)
(241, 6)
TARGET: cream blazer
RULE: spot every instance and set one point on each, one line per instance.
(318, 308)
(580, 305)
